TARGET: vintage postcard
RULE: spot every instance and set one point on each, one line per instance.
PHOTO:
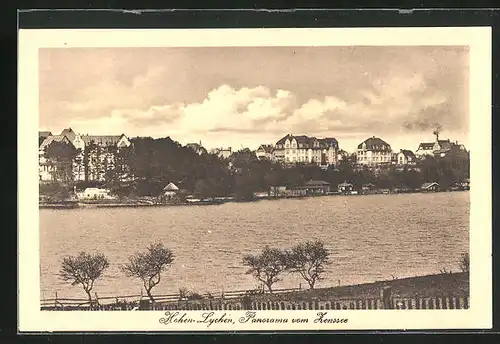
(255, 180)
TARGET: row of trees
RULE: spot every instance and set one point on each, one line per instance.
(85, 268)
(308, 259)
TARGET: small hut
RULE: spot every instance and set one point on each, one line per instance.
(345, 187)
(430, 187)
(170, 191)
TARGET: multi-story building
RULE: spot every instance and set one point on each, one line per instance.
(406, 157)
(94, 155)
(101, 155)
(47, 166)
(304, 149)
(374, 151)
(265, 152)
(42, 135)
(440, 148)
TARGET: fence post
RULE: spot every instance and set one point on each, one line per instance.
(96, 300)
(386, 297)
(55, 301)
(144, 305)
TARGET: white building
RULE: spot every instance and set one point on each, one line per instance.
(439, 148)
(94, 193)
(94, 154)
(46, 167)
(374, 151)
(304, 149)
(264, 152)
(406, 157)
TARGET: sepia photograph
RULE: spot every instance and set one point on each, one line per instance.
(234, 185)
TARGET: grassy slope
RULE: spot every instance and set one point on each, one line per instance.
(423, 286)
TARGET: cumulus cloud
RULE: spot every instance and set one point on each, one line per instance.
(389, 105)
(257, 94)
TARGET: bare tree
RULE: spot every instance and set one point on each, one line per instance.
(267, 267)
(464, 262)
(84, 269)
(148, 266)
(309, 260)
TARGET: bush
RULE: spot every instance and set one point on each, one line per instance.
(464, 262)
(54, 192)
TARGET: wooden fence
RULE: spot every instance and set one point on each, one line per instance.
(241, 300)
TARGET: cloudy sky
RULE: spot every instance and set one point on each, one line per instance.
(242, 97)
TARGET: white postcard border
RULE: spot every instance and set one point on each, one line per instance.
(31, 318)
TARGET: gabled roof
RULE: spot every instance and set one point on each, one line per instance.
(171, 187)
(305, 140)
(69, 133)
(426, 145)
(375, 144)
(428, 185)
(308, 141)
(317, 182)
(44, 133)
(407, 153)
(102, 139)
(56, 138)
(445, 144)
(283, 139)
(266, 148)
(329, 142)
(345, 184)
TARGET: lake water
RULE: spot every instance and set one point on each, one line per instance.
(370, 238)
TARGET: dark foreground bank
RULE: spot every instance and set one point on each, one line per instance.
(442, 291)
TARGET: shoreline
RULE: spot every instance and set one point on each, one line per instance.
(141, 204)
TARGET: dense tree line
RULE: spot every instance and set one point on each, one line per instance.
(154, 163)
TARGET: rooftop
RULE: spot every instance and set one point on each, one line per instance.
(308, 141)
(317, 182)
(54, 138)
(375, 144)
(102, 139)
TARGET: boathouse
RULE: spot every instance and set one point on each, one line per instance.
(315, 187)
(367, 188)
(430, 187)
(345, 187)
